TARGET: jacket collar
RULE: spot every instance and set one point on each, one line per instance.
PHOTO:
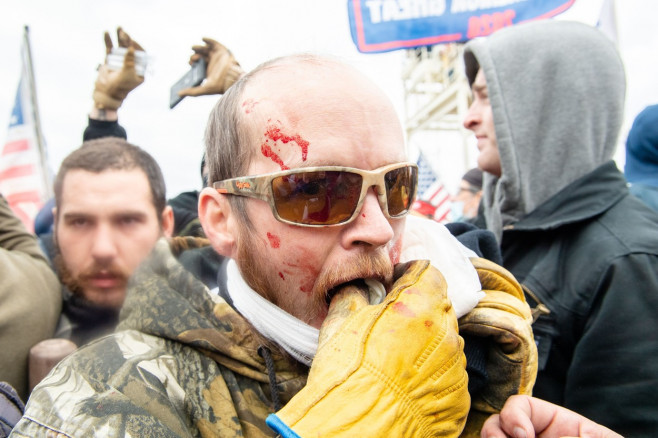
(587, 197)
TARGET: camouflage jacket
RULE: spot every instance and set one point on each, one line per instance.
(183, 363)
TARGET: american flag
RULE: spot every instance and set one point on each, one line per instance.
(433, 198)
(24, 180)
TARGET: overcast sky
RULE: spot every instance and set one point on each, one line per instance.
(67, 45)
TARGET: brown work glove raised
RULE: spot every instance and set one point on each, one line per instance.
(221, 72)
(390, 369)
(112, 86)
(502, 317)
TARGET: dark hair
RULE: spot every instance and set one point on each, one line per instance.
(113, 153)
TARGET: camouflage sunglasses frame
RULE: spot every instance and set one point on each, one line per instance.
(260, 187)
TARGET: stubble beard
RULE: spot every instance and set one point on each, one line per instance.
(261, 277)
(75, 284)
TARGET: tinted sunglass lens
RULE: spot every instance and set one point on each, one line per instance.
(400, 189)
(316, 198)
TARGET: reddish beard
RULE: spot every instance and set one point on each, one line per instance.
(368, 265)
(76, 283)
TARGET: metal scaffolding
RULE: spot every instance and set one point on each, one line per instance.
(436, 92)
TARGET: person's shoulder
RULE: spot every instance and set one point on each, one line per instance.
(647, 194)
(633, 225)
(106, 382)
(100, 360)
(615, 237)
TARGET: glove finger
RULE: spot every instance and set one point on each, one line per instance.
(495, 277)
(126, 40)
(123, 38)
(347, 301)
(129, 59)
(211, 42)
(108, 43)
(193, 91)
(194, 58)
(201, 50)
(418, 289)
(136, 45)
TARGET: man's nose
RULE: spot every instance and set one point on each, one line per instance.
(104, 245)
(472, 117)
(371, 227)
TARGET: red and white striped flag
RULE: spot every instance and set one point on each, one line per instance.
(433, 198)
(24, 176)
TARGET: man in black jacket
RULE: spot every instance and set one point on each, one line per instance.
(547, 109)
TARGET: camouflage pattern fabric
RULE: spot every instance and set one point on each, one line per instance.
(183, 364)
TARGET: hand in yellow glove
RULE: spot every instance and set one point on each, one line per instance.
(504, 320)
(221, 72)
(392, 369)
(112, 86)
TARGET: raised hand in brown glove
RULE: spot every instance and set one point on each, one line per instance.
(112, 86)
(221, 72)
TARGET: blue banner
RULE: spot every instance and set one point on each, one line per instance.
(385, 25)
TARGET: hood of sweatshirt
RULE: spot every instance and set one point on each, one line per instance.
(557, 92)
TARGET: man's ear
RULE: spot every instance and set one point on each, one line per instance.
(218, 221)
(168, 221)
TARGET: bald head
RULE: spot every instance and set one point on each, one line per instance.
(284, 97)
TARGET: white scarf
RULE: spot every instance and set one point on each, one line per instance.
(299, 339)
(423, 239)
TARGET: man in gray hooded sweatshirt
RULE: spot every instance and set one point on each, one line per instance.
(548, 103)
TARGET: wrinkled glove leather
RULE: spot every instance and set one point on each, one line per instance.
(502, 317)
(392, 369)
(221, 72)
(112, 86)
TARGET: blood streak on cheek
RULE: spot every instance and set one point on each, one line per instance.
(273, 132)
(307, 287)
(305, 271)
(275, 242)
(281, 275)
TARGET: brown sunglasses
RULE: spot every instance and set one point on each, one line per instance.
(328, 195)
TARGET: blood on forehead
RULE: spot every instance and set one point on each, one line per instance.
(275, 137)
(249, 105)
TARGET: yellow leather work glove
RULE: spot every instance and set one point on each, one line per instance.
(391, 369)
(112, 86)
(221, 72)
(503, 318)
